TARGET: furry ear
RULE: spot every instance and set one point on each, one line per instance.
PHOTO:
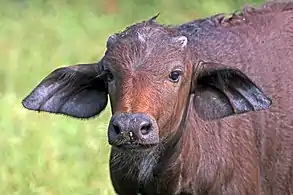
(76, 91)
(221, 91)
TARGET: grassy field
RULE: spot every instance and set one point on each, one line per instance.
(51, 154)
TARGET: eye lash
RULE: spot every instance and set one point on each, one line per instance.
(102, 74)
(177, 68)
(106, 70)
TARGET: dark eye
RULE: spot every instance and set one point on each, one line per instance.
(109, 76)
(175, 76)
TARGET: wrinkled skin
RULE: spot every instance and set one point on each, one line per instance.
(214, 93)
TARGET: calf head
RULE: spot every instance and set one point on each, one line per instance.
(149, 73)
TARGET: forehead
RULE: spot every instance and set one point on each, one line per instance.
(146, 45)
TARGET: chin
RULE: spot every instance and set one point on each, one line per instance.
(134, 147)
(136, 158)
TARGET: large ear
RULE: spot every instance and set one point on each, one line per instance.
(76, 91)
(221, 91)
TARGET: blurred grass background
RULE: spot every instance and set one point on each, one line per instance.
(51, 154)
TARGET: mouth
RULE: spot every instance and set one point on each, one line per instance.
(134, 146)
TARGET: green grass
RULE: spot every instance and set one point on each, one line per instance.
(48, 154)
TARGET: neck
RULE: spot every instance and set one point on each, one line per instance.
(180, 154)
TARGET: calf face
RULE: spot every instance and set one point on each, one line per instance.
(149, 73)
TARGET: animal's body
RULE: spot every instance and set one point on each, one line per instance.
(221, 122)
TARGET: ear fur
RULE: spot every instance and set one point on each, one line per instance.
(75, 90)
(221, 91)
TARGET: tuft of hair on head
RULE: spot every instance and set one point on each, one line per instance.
(140, 37)
(181, 41)
(154, 18)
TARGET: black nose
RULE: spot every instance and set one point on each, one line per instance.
(131, 127)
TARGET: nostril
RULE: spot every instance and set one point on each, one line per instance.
(145, 129)
(117, 128)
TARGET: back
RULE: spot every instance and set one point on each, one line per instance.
(260, 43)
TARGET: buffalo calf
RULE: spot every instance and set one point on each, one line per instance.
(201, 108)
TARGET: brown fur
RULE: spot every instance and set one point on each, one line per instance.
(226, 127)
(248, 154)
